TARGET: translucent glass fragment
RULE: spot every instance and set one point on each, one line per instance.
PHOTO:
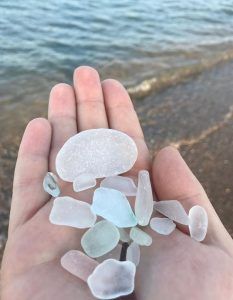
(113, 206)
(198, 223)
(72, 212)
(112, 279)
(173, 210)
(163, 226)
(124, 236)
(140, 237)
(144, 199)
(83, 182)
(100, 239)
(78, 264)
(123, 184)
(99, 152)
(133, 253)
(50, 184)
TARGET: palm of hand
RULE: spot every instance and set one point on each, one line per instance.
(174, 267)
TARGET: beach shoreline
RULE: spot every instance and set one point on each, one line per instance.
(195, 116)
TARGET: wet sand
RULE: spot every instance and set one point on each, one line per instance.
(196, 116)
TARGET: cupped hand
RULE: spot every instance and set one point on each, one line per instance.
(173, 267)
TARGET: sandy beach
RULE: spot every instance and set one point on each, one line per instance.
(189, 116)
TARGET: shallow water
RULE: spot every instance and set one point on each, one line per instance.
(146, 44)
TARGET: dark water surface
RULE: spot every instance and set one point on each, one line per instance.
(144, 43)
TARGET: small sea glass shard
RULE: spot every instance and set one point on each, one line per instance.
(100, 239)
(144, 199)
(100, 152)
(113, 206)
(123, 184)
(112, 279)
(140, 237)
(133, 253)
(78, 264)
(50, 184)
(163, 226)
(114, 254)
(84, 182)
(198, 223)
(124, 236)
(173, 210)
(71, 212)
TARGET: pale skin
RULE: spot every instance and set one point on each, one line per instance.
(174, 267)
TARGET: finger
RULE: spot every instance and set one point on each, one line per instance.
(123, 117)
(31, 166)
(174, 180)
(62, 116)
(90, 103)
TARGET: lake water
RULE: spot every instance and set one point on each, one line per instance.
(143, 43)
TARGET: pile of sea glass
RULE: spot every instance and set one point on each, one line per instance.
(112, 225)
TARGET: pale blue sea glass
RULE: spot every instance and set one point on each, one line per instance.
(113, 206)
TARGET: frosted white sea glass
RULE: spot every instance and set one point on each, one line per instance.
(124, 236)
(198, 223)
(99, 152)
(144, 199)
(123, 184)
(140, 237)
(113, 206)
(78, 264)
(163, 226)
(72, 212)
(114, 254)
(50, 184)
(83, 182)
(133, 253)
(100, 239)
(112, 279)
(173, 210)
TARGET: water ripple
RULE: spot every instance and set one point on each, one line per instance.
(134, 41)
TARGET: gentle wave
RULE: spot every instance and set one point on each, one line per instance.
(177, 75)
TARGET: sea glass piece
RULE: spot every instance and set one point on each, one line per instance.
(100, 239)
(124, 236)
(114, 254)
(99, 152)
(163, 226)
(113, 206)
(50, 184)
(78, 264)
(84, 182)
(173, 210)
(140, 237)
(71, 212)
(198, 223)
(144, 199)
(133, 253)
(123, 184)
(112, 279)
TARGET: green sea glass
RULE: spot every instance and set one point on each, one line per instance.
(100, 239)
(140, 237)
